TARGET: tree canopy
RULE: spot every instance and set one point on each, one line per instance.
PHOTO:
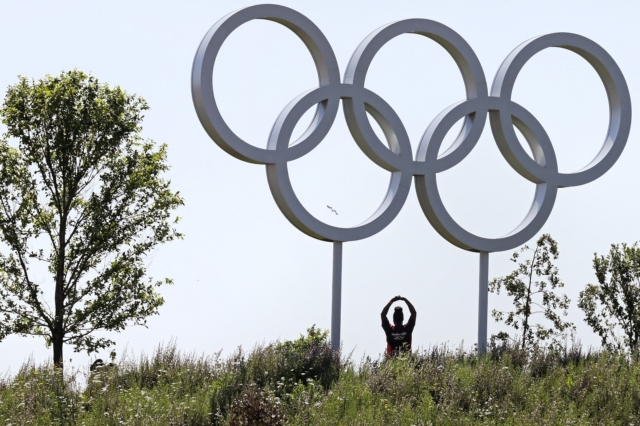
(612, 306)
(83, 200)
(532, 287)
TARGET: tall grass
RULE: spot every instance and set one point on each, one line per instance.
(303, 382)
(39, 395)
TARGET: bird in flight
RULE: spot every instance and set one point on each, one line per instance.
(332, 209)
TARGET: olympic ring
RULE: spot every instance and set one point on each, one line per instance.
(395, 155)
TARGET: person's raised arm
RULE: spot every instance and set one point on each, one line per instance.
(385, 310)
(412, 309)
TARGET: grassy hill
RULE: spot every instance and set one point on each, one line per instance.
(303, 382)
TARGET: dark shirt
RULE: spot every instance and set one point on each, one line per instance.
(398, 337)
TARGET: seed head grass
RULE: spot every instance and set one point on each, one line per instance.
(304, 382)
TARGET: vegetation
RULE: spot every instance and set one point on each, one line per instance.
(82, 202)
(532, 287)
(303, 382)
(612, 307)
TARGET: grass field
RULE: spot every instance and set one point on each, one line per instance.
(303, 382)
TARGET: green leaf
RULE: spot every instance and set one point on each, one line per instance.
(76, 175)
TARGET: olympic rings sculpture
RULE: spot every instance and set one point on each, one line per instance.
(395, 155)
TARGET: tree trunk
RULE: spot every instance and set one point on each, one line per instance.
(527, 309)
(57, 346)
(58, 322)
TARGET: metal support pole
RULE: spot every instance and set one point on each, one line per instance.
(483, 303)
(336, 295)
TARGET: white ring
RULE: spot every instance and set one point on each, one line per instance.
(394, 154)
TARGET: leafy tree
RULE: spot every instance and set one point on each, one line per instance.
(531, 286)
(613, 305)
(82, 200)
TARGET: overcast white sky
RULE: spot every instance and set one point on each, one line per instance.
(243, 273)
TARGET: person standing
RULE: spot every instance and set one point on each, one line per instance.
(399, 334)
